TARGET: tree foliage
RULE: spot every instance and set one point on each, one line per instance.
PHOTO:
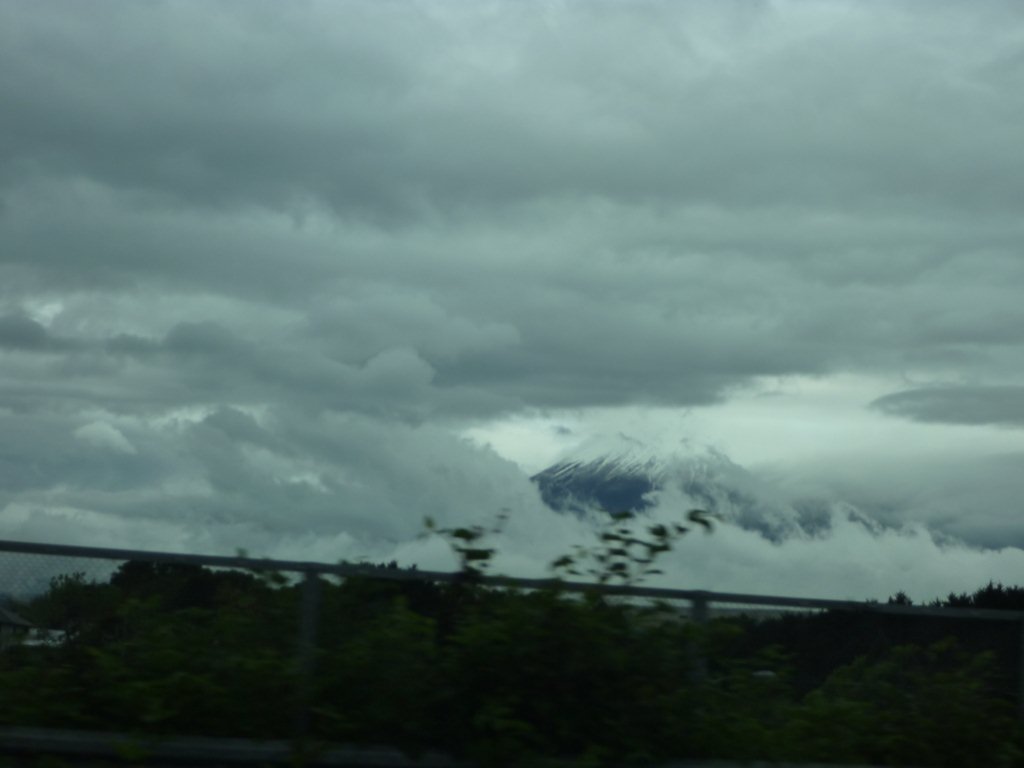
(501, 676)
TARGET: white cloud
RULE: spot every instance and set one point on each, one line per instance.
(103, 435)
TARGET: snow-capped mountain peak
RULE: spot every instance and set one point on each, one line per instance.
(610, 473)
(619, 473)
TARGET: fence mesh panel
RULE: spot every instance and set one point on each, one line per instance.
(25, 575)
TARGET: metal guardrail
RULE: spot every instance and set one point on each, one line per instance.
(306, 567)
(700, 601)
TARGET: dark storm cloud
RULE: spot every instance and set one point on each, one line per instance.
(258, 256)
(995, 405)
(39, 452)
(21, 332)
(807, 191)
(388, 110)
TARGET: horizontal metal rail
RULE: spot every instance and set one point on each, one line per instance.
(399, 574)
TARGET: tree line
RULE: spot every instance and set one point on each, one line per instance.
(503, 677)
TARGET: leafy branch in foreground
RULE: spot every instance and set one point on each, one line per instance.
(625, 554)
(467, 543)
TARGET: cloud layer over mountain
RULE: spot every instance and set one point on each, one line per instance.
(263, 265)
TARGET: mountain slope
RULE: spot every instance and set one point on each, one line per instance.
(611, 474)
(622, 474)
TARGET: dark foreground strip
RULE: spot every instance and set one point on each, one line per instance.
(135, 750)
(177, 750)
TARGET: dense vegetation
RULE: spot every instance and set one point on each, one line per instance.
(501, 676)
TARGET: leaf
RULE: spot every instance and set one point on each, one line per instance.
(701, 517)
(466, 534)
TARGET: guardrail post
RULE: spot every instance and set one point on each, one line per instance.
(699, 609)
(305, 655)
(1020, 673)
(698, 615)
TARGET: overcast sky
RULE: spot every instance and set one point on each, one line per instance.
(291, 276)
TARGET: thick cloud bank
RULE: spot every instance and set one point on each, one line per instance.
(263, 265)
